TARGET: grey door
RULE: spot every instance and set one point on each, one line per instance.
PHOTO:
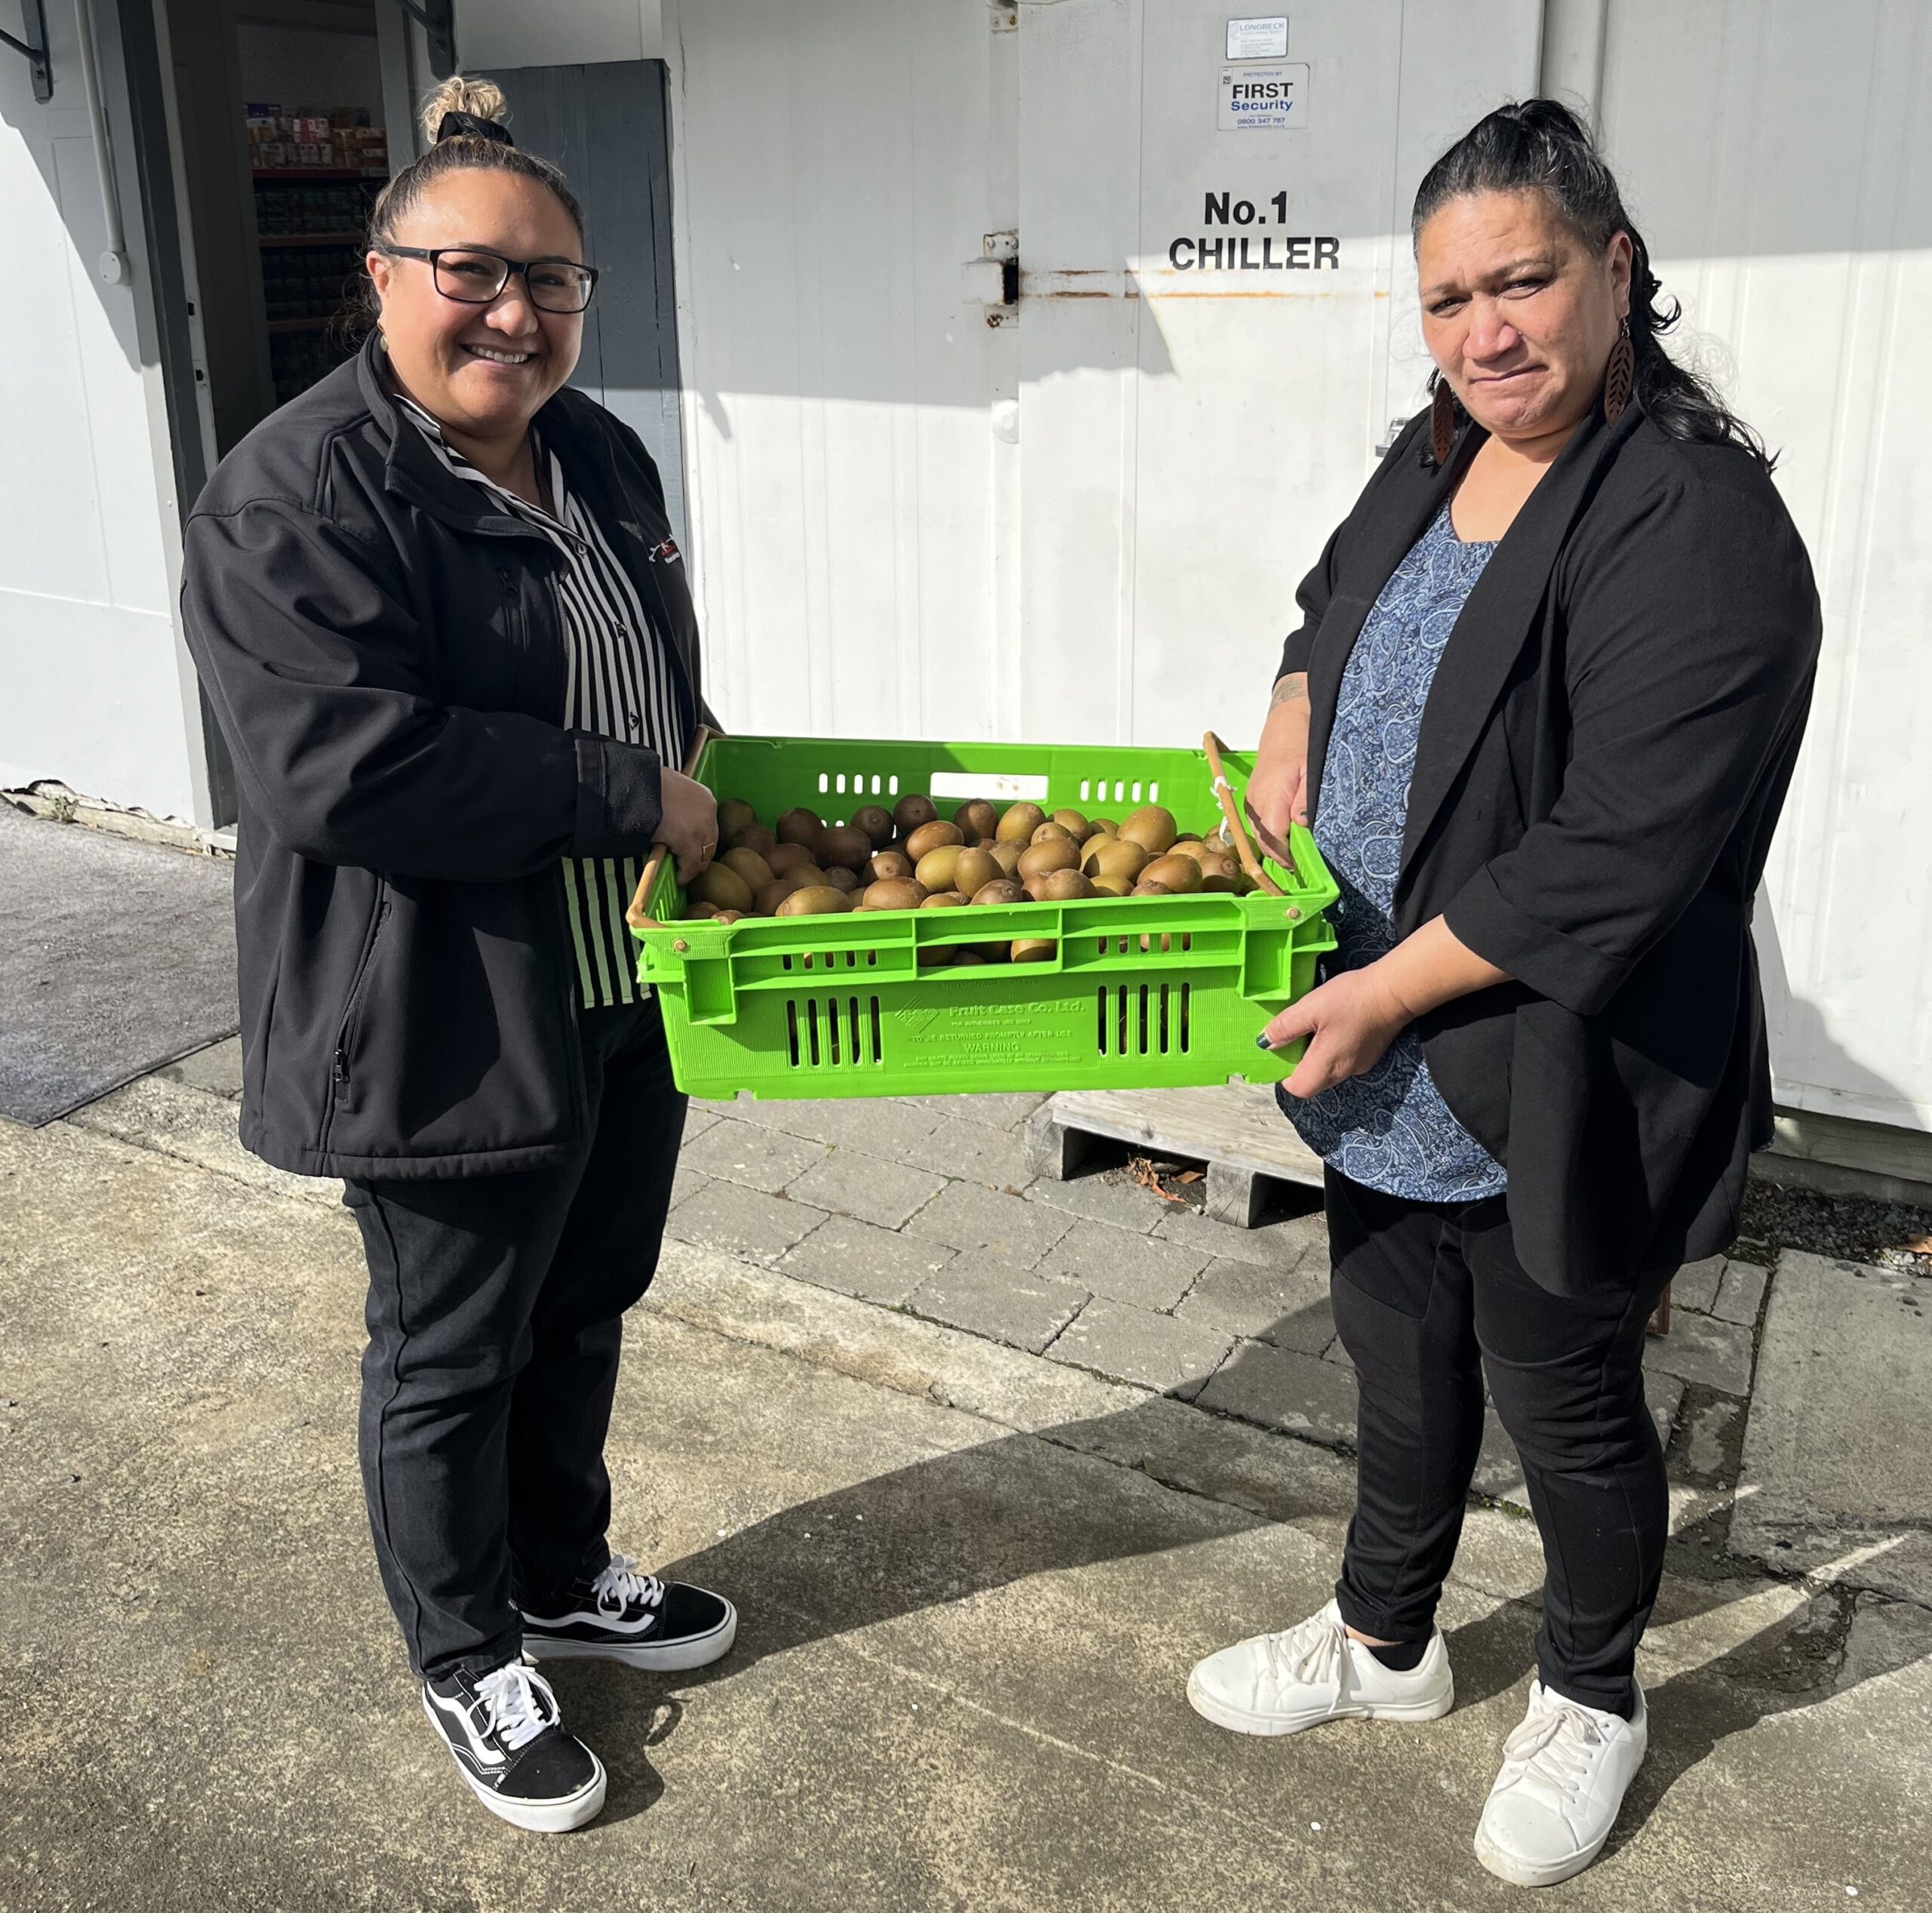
(606, 124)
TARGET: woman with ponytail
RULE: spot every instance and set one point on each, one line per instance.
(1543, 708)
(443, 622)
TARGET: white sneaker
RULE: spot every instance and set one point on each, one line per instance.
(1314, 1671)
(1565, 1771)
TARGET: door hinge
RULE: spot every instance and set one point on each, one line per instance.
(33, 48)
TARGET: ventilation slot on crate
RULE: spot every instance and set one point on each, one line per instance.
(835, 1033)
(1148, 943)
(1144, 1019)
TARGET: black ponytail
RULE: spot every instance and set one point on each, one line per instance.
(1540, 146)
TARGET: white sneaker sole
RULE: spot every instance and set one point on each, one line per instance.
(563, 1816)
(664, 1657)
(1245, 1719)
(1530, 1873)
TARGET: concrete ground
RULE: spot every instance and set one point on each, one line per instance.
(973, 1576)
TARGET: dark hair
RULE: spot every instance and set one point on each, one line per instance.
(463, 120)
(1540, 146)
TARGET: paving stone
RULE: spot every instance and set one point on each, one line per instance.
(972, 1152)
(764, 1159)
(877, 1265)
(700, 1117)
(736, 1221)
(1282, 1389)
(883, 1125)
(1338, 1355)
(1282, 1244)
(1500, 1472)
(1701, 1348)
(992, 1111)
(686, 1184)
(1112, 1197)
(1125, 1267)
(1837, 1475)
(1741, 1292)
(965, 1216)
(1259, 1302)
(215, 1071)
(986, 1295)
(850, 1182)
(1136, 1345)
(1695, 1285)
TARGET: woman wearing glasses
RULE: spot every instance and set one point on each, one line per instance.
(444, 625)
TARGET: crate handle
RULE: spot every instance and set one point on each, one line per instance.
(1231, 810)
(637, 915)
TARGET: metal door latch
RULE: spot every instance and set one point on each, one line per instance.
(992, 280)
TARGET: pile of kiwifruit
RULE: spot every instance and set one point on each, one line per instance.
(909, 858)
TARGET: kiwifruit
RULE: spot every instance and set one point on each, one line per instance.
(875, 821)
(935, 868)
(1114, 856)
(845, 843)
(911, 811)
(1110, 886)
(756, 872)
(1145, 888)
(968, 959)
(1002, 891)
(790, 856)
(933, 954)
(930, 837)
(1221, 873)
(839, 878)
(820, 900)
(801, 826)
(948, 899)
(721, 887)
(700, 912)
(1033, 950)
(1151, 827)
(895, 893)
(1050, 832)
(1063, 886)
(753, 837)
(730, 916)
(1073, 824)
(976, 820)
(1188, 847)
(1019, 824)
(1008, 857)
(973, 869)
(767, 900)
(886, 864)
(1180, 874)
(733, 815)
(1105, 827)
(1056, 854)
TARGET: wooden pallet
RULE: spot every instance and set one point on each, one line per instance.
(1237, 1131)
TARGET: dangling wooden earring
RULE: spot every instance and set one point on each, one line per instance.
(1442, 421)
(1619, 378)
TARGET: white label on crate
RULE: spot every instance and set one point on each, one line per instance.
(1264, 38)
(1263, 99)
(964, 784)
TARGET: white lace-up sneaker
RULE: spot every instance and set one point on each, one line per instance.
(620, 1615)
(1314, 1671)
(508, 1738)
(1565, 1771)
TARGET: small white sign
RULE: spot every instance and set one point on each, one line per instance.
(1264, 38)
(1263, 99)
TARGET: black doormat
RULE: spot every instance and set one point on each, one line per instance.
(116, 958)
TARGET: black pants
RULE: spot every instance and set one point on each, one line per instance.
(1428, 1297)
(495, 1315)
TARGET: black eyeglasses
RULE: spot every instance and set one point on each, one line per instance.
(473, 277)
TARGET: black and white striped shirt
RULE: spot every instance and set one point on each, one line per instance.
(619, 684)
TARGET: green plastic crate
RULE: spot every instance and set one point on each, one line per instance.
(1145, 992)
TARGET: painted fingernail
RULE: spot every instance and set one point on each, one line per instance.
(1261, 1042)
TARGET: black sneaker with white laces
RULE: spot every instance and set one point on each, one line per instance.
(620, 1615)
(506, 1735)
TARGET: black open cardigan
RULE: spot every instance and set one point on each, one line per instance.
(1601, 763)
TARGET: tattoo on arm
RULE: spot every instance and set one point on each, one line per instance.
(1288, 689)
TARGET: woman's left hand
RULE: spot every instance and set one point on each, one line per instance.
(1351, 1019)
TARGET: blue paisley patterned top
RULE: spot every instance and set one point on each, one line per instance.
(1390, 1129)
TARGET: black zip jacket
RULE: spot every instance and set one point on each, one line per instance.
(383, 647)
(1602, 760)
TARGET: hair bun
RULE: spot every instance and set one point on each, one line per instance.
(478, 108)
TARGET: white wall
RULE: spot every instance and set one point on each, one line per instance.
(499, 33)
(91, 685)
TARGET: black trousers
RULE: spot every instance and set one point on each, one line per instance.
(1428, 1298)
(496, 1317)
